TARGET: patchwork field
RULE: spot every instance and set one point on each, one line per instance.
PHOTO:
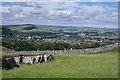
(100, 65)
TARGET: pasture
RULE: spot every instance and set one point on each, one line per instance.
(4, 49)
(99, 65)
(35, 29)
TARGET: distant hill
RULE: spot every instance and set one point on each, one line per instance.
(18, 25)
(53, 28)
(57, 26)
(30, 28)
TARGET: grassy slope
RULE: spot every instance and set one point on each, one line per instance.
(4, 49)
(71, 66)
(40, 29)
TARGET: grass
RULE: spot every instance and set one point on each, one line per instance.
(100, 65)
(4, 49)
(39, 29)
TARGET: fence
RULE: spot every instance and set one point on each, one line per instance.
(74, 51)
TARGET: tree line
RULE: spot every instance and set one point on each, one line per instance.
(33, 46)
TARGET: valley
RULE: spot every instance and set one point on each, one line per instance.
(55, 37)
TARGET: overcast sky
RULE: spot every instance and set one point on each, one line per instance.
(95, 14)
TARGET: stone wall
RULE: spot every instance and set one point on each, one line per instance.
(74, 51)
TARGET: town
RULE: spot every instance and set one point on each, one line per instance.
(72, 37)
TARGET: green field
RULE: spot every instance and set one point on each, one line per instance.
(100, 65)
(39, 29)
(4, 49)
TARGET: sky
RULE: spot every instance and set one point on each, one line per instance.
(80, 14)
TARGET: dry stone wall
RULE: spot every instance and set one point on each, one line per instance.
(74, 51)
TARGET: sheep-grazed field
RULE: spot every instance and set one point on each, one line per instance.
(102, 65)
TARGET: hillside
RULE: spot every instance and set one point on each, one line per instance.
(30, 28)
(4, 49)
(56, 28)
(101, 65)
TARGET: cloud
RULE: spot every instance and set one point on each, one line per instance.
(20, 15)
(91, 11)
(93, 0)
(4, 9)
(60, 0)
(61, 13)
(113, 12)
